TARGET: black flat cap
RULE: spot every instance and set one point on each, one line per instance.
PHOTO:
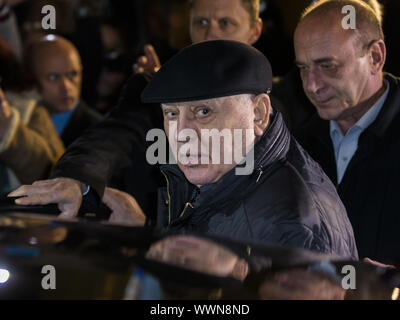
(210, 69)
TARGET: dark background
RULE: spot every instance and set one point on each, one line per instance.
(165, 24)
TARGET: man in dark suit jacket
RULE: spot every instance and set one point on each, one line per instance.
(57, 68)
(82, 118)
(354, 136)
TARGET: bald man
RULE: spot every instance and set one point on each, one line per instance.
(57, 68)
(354, 135)
(289, 91)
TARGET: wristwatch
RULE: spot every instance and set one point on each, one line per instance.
(86, 189)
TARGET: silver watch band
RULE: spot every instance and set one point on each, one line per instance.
(87, 189)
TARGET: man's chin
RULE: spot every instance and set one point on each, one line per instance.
(329, 110)
(199, 174)
(66, 106)
(331, 113)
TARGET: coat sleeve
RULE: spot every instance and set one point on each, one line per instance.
(112, 143)
(31, 150)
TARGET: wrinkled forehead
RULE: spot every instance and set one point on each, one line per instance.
(313, 35)
(214, 102)
(327, 23)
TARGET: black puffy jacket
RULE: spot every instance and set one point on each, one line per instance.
(288, 200)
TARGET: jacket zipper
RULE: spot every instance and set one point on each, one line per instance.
(280, 146)
(188, 204)
(169, 198)
(260, 174)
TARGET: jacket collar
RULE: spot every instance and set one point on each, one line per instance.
(318, 130)
(389, 111)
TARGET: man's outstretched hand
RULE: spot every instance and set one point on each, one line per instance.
(149, 63)
(378, 264)
(124, 207)
(65, 192)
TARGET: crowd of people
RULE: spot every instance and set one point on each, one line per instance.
(323, 134)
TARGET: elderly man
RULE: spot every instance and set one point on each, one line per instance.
(284, 198)
(89, 163)
(56, 66)
(355, 134)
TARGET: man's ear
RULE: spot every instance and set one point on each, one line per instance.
(256, 31)
(262, 108)
(378, 56)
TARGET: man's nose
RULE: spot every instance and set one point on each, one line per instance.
(313, 81)
(212, 32)
(65, 84)
(186, 129)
